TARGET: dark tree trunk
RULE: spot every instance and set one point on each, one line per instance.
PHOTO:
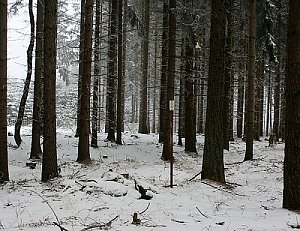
(250, 81)
(291, 189)
(83, 145)
(3, 93)
(167, 153)
(164, 69)
(143, 123)
(258, 101)
(213, 163)
(81, 55)
(36, 150)
(240, 101)
(112, 72)
(228, 74)
(22, 106)
(277, 82)
(190, 120)
(120, 91)
(97, 69)
(49, 166)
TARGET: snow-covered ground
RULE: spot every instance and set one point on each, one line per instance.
(90, 196)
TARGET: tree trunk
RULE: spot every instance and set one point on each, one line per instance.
(80, 72)
(49, 166)
(143, 123)
(190, 121)
(168, 142)
(97, 69)
(3, 93)
(250, 82)
(36, 150)
(291, 175)
(120, 91)
(18, 124)
(277, 82)
(213, 163)
(112, 72)
(228, 74)
(83, 145)
(154, 83)
(164, 69)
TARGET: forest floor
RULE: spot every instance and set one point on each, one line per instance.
(91, 197)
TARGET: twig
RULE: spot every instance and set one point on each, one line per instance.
(145, 209)
(202, 213)
(181, 222)
(195, 176)
(98, 225)
(61, 228)
(58, 222)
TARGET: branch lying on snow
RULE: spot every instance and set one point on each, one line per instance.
(202, 213)
(61, 228)
(100, 226)
(222, 187)
(195, 176)
(145, 209)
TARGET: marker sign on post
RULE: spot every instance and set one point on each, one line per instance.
(171, 105)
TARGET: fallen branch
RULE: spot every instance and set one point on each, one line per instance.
(195, 176)
(145, 209)
(100, 226)
(202, 213)
(61, 228)
(181, 222)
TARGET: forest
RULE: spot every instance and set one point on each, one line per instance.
(137, 109)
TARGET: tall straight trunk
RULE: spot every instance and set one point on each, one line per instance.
(213, 163)
(258, 101)
(164, 70)
(120, 91)
(22, 106)
(36, 150)
(269, 103)
(190, 120)
(167, 153)
(228, 74)
(143, 123)
(112, 72)
(181, 106)
(49, 166)
(291, 170)
(250, 82)
(3, 93)
(97, 68)
(277, 82)
(83, 144)
(240, 100)
(154, 83)
(81, 56)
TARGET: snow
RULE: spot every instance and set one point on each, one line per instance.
(92, 195)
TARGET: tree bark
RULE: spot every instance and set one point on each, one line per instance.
(190, 120)
(111, 72)
(83, 145)
(168, 142)
(143, 123)
(120, 91)
(4, 174)
(213, 163)
(291, 174)
(36, 150)
(81, 55)
(164, 69)
(49, 165)
(97, 69)
(250, 82)
(22, 106)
